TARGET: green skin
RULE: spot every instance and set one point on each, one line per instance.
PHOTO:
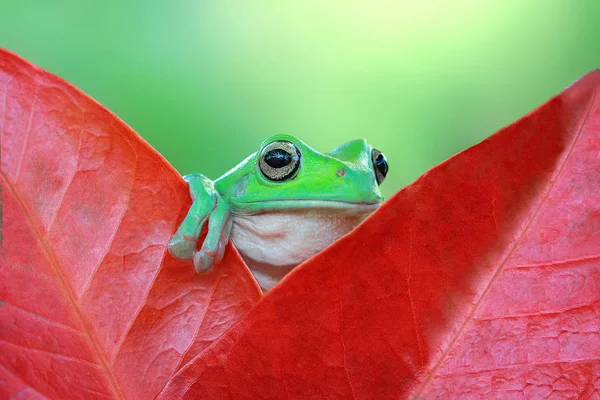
(342, 179)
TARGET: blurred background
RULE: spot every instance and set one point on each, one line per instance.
(206, 82)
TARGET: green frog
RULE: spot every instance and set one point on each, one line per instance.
(281, 205)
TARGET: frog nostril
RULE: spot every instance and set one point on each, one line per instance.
(341, 172)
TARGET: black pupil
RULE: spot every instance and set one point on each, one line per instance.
(381, 164)
(278, 158)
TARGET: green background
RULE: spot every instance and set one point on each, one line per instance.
(206, 82)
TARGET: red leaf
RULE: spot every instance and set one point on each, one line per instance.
(92, 304)
(480, 280)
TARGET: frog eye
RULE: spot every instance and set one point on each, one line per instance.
(279, 160)
(380, 165)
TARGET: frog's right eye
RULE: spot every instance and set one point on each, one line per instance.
(279, 161)
(380, 165)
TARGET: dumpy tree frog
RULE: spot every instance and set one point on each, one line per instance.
(281, 205)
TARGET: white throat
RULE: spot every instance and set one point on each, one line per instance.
(273, 243)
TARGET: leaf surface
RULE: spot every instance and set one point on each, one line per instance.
(92, 304)
(480, 280)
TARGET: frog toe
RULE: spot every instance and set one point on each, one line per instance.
(203, 261)
(182, 247)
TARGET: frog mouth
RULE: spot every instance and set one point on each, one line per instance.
(264, 206)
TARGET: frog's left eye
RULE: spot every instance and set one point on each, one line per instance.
(279, 160)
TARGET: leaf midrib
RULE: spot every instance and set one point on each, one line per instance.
(60, 278)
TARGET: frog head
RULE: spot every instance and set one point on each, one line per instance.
(287, 174)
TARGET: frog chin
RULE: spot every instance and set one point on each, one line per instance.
(274, 241)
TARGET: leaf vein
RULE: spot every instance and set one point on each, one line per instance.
(210, 299)
(45, 319)
(53, 354)
(520, 365)
(139, 311)
(27, 133)
(67, 291)
(4, 111)
(537, 314)
(532, 217)
(67, 186)
(114, 233)
(573, 262)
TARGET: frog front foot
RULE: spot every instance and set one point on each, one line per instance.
(207, 205)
